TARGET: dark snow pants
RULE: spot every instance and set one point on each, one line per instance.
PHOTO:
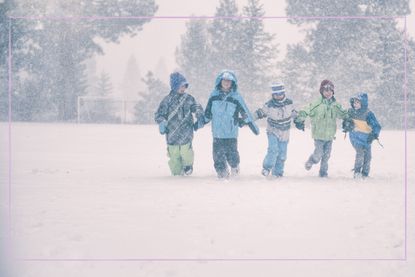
(225, 150)
(322, 151)
(362, 160)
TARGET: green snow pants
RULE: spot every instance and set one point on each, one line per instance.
(180, 156)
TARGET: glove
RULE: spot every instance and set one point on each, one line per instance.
(260, 114)
(163, 127)
(299, 125)
(241, 122)
(199, 124)
(347, 125)
(371, 137)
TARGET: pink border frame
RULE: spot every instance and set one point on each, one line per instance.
(93, 18)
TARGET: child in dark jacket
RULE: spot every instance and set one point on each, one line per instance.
(228, 112)
(364, 128)
(175, 118)
(279, 112)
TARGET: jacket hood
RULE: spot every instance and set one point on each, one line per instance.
(177, 80)
(228, 75)
(362, 97)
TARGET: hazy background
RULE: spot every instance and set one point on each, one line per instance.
(117, 71)
(155, 45)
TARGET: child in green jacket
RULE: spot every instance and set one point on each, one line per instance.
(323, 113)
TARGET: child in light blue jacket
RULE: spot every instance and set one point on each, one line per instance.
(227, 111)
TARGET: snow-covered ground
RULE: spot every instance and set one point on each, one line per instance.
(104, 192)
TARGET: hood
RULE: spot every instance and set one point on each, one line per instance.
(177, 80)
(362, 97)
(229, 75)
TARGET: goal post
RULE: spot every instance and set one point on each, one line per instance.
(102, 109)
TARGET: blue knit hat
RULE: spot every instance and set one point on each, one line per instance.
(278, 89)
(177, 80)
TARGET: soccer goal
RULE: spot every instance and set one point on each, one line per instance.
(98, 109)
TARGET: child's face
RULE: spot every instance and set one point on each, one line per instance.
(356, 104)
(182, 89)
(327, 93)
(226, 84)
(278, 96)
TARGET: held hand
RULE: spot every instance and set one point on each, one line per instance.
(299, 125)
(347, 125)
(260, 114)
(198, 125)
(241, 122)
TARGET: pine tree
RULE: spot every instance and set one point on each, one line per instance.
(357, 55)
(193, 57)
(55, 51)
(257, 54)
(102, 110)
(156, 91)
(132, 84)
(225, 32)
(229, 42)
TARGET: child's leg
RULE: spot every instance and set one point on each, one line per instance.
(187, 154)
(366, 161)
(232, 154)
(282, 156)
(272, 152)
(175, 162)
(324, 165)
(358, 162)
(219, 156)
(317, 154)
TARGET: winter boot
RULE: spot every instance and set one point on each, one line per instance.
(265, 172)
(309, 164)
(188, 170)
(234, 171)
(223, 174)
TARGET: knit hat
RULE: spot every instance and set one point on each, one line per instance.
(278, 89)
(326, 85)
(177, 80)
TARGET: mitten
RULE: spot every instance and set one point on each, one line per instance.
(299, 125)
(371, 137)
(163, 127)
(347, 125)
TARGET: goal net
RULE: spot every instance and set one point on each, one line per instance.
(96, 109)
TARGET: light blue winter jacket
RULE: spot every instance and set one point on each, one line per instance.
(227, 110)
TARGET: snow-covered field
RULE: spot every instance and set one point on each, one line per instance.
(104, 192)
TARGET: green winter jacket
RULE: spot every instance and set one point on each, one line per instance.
(323, 114)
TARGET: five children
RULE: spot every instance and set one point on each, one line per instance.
(228, 112)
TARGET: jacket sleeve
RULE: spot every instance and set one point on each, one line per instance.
(261, 112)
(373, 123)
(208, 110)
(341, 113)
(196, 108)
(304, 112)
(246, 115)
(162, 112)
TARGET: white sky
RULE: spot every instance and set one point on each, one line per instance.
(159, 38)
